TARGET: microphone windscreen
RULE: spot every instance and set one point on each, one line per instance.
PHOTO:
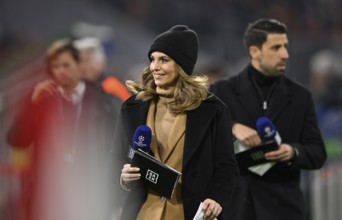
(266, 129)
(142, 138)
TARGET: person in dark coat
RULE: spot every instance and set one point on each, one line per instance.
(62, 124)
(190, 132)
(262, 89)
(94, 63)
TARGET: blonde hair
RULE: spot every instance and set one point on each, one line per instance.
(188, 94)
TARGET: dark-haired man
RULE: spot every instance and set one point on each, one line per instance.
(262, 89)
(62, 123)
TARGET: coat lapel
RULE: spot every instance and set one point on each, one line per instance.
(133, 119)
(252, 103)
(176, 133)
(196, 129)
(280, 98)
(248, 96)
(150, 122)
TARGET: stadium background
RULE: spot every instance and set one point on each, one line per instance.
(126, 28)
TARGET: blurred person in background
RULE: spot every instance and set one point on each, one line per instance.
(187, 125)
(93, 63)
(213, 67)
(326, 84)
(325, 77)
(93, 58)
(262, 89)
(62, 123)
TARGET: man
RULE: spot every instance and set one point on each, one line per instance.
(93, 63)
(62, 123)
(93, 59)
(262, 89)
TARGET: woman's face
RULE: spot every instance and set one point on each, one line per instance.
(163, 70)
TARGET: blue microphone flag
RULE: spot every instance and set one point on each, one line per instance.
(266, 129)
(142, 138)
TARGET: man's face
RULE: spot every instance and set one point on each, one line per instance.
(65, 70)
(91, 67)
(271, 59)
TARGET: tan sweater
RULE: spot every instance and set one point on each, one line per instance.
(167, 146)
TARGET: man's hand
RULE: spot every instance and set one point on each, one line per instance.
(284, 153)
(43, 90)
(246, 135)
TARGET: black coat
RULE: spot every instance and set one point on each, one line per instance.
(209, 169)
(276, 195)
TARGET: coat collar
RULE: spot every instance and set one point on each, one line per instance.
(135, 113)
(196, 124)
(249, 97)
(175, 134)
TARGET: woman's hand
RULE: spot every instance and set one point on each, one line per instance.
(129, 174)
(211, 209)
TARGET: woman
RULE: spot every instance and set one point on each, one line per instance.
(190, 132)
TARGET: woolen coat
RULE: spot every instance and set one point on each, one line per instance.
(209, 169)
(276, 195)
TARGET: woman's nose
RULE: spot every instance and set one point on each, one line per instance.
(154, 66)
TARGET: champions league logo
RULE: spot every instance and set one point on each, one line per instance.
(269, 132)
(140, 142)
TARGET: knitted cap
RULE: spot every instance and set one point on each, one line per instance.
(180, 43)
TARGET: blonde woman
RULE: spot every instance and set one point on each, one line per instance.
(187, 127)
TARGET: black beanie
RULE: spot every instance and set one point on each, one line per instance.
(180, 43)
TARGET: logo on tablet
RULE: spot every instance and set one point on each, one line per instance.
(257, 155)
(152, 176)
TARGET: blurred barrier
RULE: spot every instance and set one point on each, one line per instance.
(10, 193)
(326, 185)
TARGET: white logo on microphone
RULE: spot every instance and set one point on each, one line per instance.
(269, 132)
(140, 142)
(131, 153)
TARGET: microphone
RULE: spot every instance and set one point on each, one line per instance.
(270, 141)
(141, 140)
(267, 130)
